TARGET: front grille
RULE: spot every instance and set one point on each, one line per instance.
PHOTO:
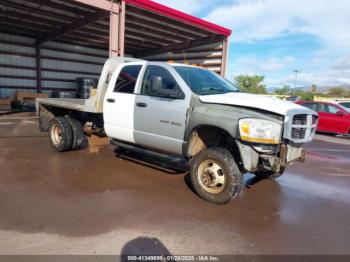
(298, 133)
(301, 128)
(300, 120)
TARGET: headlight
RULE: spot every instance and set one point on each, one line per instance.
(260, 131)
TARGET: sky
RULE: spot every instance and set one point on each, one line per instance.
(275, 37)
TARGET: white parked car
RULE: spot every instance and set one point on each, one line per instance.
(344, 103)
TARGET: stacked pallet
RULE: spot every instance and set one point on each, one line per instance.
(26, 100)
(5, 104)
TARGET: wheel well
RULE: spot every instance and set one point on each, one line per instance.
(207, 136)
(46, 113)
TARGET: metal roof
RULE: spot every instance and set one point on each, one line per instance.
(150, 27)
(178, 15)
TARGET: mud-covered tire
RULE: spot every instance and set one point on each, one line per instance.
(78, 133)
(226, 168)
(60, 134)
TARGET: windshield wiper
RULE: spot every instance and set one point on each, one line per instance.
(233, 91)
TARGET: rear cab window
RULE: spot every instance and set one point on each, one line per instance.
(127, 78)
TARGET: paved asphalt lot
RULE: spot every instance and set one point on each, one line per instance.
(83, 203)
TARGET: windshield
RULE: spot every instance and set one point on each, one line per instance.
(205, 82)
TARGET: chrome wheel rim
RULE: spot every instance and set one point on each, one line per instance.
(56, 134)
(211, 176)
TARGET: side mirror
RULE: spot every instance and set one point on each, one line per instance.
(157, 89)
(340, 113)
(155, 84)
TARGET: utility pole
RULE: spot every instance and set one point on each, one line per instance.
(296, 79)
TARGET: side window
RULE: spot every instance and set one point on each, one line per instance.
(168, 82)
(329, 109)
(312, 106)
(323, 108)
(127, 79)
(333, 109)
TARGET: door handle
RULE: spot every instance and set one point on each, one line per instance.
(141, 104)
(110, 100)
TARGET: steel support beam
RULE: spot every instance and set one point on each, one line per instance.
(73, 26)
(224, 61)
(117, 31)
(113, 34)
(122, 28)
(38, 67)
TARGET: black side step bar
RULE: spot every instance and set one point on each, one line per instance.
(157, 155)
(148, 152)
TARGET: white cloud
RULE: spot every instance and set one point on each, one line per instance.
(342, 63)
(253, 64)
(324, 78)
(271, 68)
(259, 20)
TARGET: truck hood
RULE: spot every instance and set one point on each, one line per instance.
(253, 101)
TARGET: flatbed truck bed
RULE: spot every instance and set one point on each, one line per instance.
(81, 105)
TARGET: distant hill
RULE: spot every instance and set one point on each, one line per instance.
(321, 89)
(325, 89)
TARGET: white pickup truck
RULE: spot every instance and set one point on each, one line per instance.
(189, 113)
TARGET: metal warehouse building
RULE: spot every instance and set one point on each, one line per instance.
(45, 45)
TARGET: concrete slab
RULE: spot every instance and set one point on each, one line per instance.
(116, 202)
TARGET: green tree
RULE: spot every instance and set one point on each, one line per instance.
(338, 92)
(313, 89)
(305, 95)
(283, 91)
(251, 84)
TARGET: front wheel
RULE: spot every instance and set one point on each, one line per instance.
(215, 176)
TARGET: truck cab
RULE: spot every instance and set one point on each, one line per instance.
(194, 114)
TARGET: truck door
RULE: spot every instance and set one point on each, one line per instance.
(160, 122)
(119, 101)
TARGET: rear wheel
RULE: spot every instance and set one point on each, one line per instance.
(215, 176)
(60, 134)
(78, 133)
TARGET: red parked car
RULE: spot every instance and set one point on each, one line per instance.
(333, 118)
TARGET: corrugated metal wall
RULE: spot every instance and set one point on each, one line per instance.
(12, 57)
(61, 64)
